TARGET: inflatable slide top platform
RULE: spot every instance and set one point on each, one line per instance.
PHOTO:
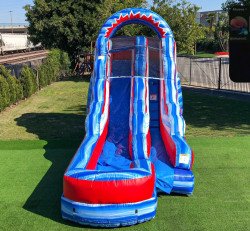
(134, 145)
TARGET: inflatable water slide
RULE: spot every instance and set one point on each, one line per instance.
(134, 145)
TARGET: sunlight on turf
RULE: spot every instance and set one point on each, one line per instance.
(39, 136)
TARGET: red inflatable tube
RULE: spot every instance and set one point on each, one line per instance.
(109, 192)
(192, 162)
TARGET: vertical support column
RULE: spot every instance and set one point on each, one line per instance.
(139, 115)
(190, 70)
(219, 79)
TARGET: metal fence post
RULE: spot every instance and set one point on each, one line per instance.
(190, 71)
(219, 79)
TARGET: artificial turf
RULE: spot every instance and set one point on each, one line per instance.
(39, 136)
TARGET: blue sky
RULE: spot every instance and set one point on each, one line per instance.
(19, 14)
(16, 6)
(206, 5)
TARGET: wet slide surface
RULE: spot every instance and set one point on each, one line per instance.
(115, 154)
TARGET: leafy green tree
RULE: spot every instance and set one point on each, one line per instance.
(65, 24)
(231, 3)
(217, 32)
(222, 31)
(109, 7)
(71, 25)
(181, 17)
(211, 20)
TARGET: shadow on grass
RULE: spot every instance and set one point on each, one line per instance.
(63, 134)
(216, 112)
(76, 78)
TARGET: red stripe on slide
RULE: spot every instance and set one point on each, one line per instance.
(109, 192)
(146, 75)
(130, 148)
(164, 97)
(98, 149)
(168, 143)
(192, 161)
(148, 137)
(131, 115)
(104, 104)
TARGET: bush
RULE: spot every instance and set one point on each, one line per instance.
(46, 74)
(42, 76)
(15, 88)
(4, 93)
(65, 63)
(4, 71)
(12, 89)
(6, 74)
(19, 90)
(208, 45)
(28, 81)
(56, 64)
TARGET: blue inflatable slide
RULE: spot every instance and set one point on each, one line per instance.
(134, 146)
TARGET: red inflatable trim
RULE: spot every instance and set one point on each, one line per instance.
(104, 105)
(137, 16)
(130, 148)
(109, 192)
(192, 161)
(98, 149)
(168, 143)
(148, 143)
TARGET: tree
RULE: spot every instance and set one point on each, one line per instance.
(231, 3)
(211, 19)
(217, 31)
(109, 7)
(65, 24)
(181, 17)
(68, 24)
(222, 31)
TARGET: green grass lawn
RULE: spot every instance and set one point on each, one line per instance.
(204, 55)
(200, 55)
(39, 136)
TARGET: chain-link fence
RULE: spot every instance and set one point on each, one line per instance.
(208, 72)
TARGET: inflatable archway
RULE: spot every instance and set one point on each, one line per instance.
(134, 143)
(133, 16)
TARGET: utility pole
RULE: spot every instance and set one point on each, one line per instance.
(11, 21)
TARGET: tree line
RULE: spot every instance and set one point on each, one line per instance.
(72, 25)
